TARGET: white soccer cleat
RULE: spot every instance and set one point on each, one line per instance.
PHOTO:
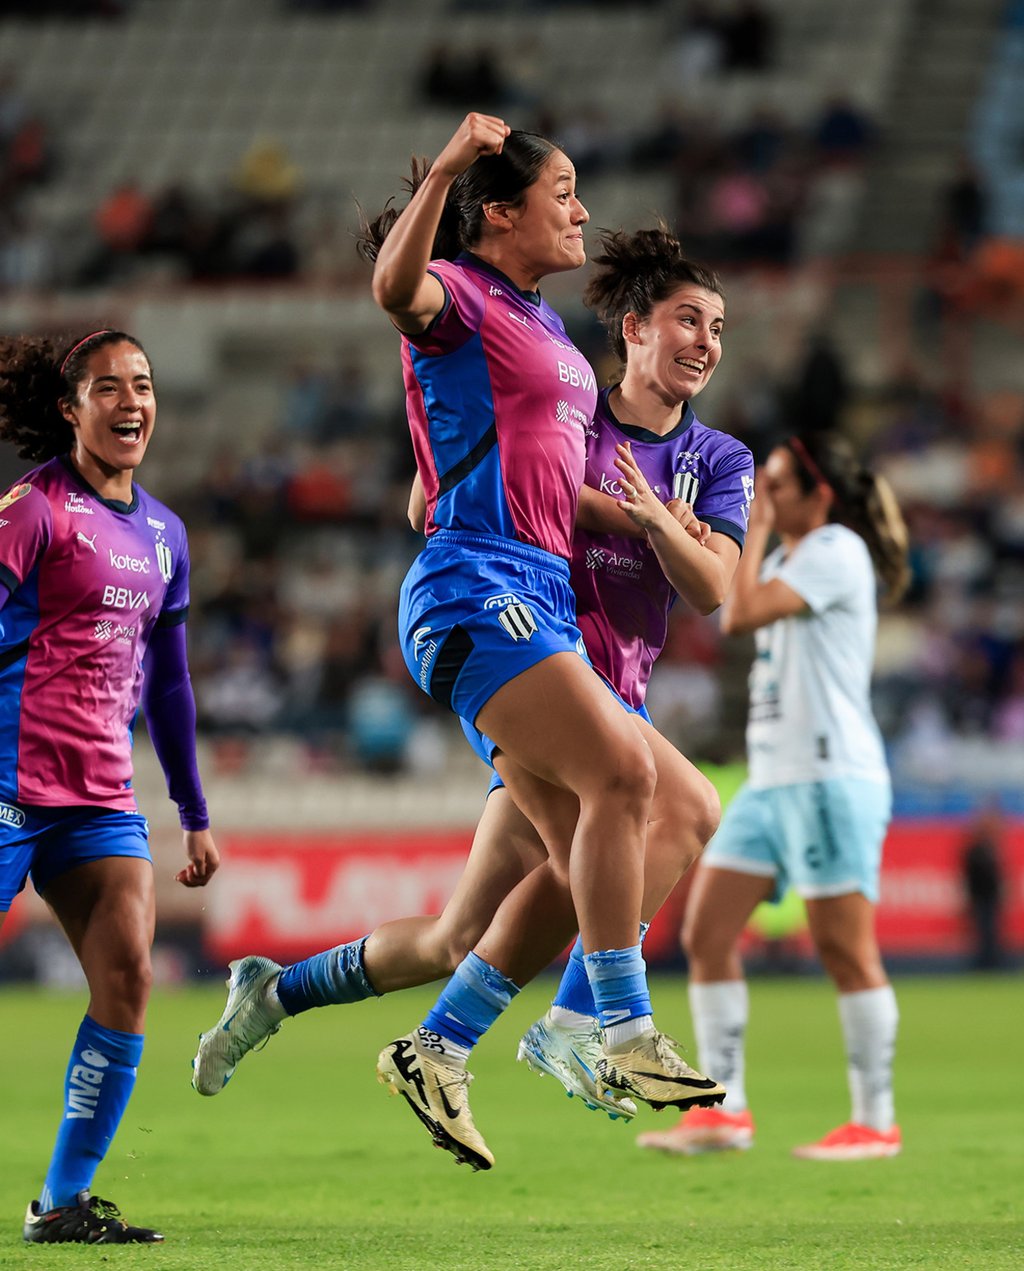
(570, 1055)
(249, 1018)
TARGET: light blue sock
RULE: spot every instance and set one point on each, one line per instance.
(97, 1086)
(618, 978)
(470, 1002)
(574, 992)
(326, 979)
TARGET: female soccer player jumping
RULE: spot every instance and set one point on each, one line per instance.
(648, 460)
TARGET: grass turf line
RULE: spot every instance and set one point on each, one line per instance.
(304, 1161)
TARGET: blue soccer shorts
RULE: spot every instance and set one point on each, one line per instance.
(476, 611)
(46, 842)
(822, 838)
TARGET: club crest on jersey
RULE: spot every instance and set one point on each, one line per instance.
(165, 562)
(15, 493)
(685, 484)
(518, 621)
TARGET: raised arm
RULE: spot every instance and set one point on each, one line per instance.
(410, 296)
(752, 603)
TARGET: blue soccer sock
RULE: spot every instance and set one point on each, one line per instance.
(326, 979)
(574, 992)
(98, 1084)
(470, 1002)
(618, 978)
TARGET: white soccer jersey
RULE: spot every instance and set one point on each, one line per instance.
(810, 706)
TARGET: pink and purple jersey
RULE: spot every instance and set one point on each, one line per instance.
(89, 580)
(498, 399)
(622, 595)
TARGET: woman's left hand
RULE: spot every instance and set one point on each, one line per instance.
(203, 859)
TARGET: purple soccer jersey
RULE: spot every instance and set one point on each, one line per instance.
(622, 595)
(88, 583)
(498, 399)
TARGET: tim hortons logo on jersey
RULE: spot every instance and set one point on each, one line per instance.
(124, 598)
(15, 493)
(75, 503)
(133, 564)
(11, 815)
(574, 376)
(518, 621)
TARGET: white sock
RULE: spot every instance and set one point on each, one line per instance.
(617, 1035)
(562, 1017)
(869, 1021)
(720, 1011)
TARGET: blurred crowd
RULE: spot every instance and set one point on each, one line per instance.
(299, 549)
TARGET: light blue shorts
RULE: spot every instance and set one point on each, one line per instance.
(49, 841)
(822, 838)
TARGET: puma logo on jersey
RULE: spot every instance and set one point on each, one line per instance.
(89, 542)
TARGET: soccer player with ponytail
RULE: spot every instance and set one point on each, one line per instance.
(814, 811)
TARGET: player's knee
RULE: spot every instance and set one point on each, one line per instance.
(131, 980)
(633, 777)
(706, 810)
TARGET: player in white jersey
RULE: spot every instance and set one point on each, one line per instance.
(814, 811)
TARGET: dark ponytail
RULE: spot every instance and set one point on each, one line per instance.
(863, 501)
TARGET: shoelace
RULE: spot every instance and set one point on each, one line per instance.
(665, 1049)
(104, 1209)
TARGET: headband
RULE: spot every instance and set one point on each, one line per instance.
(71, 353)
(804, 455)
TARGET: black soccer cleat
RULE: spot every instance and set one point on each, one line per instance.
(89, 1222)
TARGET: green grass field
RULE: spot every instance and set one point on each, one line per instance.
(304, 1160)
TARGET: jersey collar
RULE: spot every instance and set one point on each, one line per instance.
(115, 505)
(635, 431)
(531, 297)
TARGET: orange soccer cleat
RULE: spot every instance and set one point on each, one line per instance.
(853, 1142)
(703, 1130)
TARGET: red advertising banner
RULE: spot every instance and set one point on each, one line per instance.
(291, 896)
